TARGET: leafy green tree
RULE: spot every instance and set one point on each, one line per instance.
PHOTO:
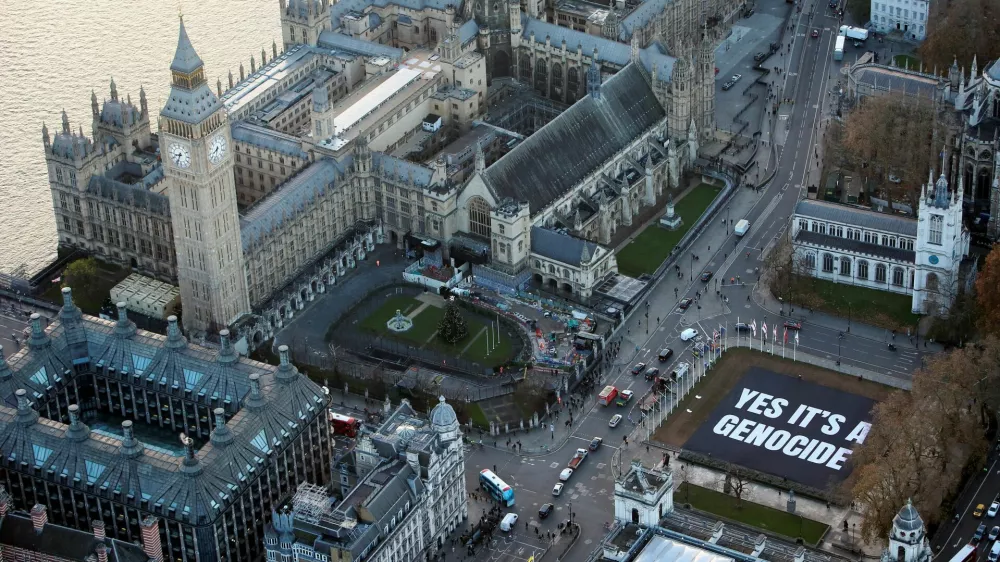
(453, 327)
(83, 277)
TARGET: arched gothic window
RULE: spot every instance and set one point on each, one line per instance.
(827, 263)
(479, 216)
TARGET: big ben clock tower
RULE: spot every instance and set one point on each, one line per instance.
(196, 150)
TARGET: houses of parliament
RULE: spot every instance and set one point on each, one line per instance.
(257, 192)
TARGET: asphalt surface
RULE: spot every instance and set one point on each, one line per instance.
(810, 80)
(952, 535)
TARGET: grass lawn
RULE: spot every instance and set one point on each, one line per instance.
(478, 416)
(425, 324)
(654, 244)
(870, 306)
(756, 515)
(903, 60)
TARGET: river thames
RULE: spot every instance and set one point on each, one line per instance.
(52, 54)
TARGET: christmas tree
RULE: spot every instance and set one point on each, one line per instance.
(452, 327)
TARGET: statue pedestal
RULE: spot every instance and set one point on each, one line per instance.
(671, 221)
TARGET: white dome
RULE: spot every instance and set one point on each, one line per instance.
(443, 417)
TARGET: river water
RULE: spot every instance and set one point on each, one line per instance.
(52, 54)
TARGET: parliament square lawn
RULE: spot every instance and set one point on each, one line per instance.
(424, 330)
(653, 245)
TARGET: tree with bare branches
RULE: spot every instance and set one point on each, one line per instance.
(892, 139)
(961, 29)
(988, 294)
(736, 481)
(921, 442)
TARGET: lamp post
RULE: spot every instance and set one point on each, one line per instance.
(849, 317)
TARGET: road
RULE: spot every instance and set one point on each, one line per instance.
(808, 79)
(952, 535)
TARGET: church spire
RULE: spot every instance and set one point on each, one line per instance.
(480, 159)
(186, 60)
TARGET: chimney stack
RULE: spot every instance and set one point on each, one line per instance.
(150, 529)
(102, 553)
(4, 502)
(39, 517)
(99, 532)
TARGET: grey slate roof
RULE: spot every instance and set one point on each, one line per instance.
(560, 247)
(66, 144)
(908, 519)
(135, 195)
(340, 9)
(993, 70)
(293, 197)
(640, 17)
(556, 158)
(189, 106)
(861, 218)
(273, 413)
(607, 50)
(856, 246)
(267, 138)
(468, 31)
(186, 60)
(112, 112)
(17, 530)
(345, 43)
(402, 170)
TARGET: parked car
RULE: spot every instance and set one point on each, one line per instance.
(793, 325)
(557, 489)
(595, 443)
(736, 78)
(978, 512)
(741, 327)
(638, 368)
(508, 522)
(545, 510)
(565, 474)
(689, 334)
(858, 45)
(759, 57)
(980, 532)
(705, 276)
(994, 508)
(665, 354)
(652, 373)
(995, 532)
(815, 33)
(615, 420)
(727, 85)
(684, 304)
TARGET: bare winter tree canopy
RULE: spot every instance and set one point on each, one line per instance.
(889, 140)
(961, 29)
(921, 442)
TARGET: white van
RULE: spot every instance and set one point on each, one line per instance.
(994, 552)
(742, 226)
(508, 522)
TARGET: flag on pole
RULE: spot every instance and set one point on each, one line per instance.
(774, 332)
(753, 327)
(786, 335)
(763, 326)
(796, 338)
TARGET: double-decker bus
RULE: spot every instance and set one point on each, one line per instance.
(343, 425)
(498, 489)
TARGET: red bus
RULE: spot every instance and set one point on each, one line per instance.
(343, 425)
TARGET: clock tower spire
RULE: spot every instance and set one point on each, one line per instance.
(198, 164)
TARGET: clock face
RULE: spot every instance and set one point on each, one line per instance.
(180, 155)
(217, 149)
(933, 260)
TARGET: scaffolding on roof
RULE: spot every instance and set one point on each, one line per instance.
(311, 502)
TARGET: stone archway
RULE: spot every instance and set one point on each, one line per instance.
(983, 184)
(538, 278)
(501, 63)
